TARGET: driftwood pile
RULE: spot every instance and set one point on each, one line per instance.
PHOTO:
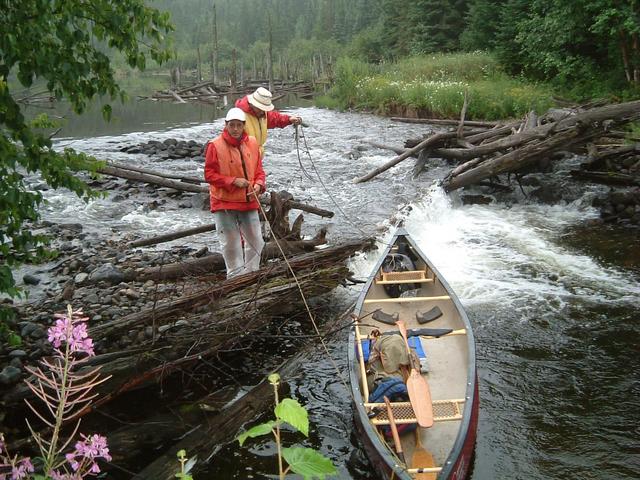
(209, 92)
(485, 150)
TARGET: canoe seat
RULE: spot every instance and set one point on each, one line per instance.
(388, 318)
(443, 411)
(409, 276)
(429, 316)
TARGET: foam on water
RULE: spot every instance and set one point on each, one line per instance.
(491, 253)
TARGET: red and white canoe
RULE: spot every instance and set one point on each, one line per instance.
(445, 396)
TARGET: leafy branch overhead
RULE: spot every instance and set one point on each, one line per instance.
(63, 45)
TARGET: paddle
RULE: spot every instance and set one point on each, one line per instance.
(394, 431)
(427, 332)
(419, 393)
(422, 459)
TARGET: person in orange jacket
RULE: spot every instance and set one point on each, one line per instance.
(261, 115)
(233, 169)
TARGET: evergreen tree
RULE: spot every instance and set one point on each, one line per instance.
(436, 25)
(481, 25)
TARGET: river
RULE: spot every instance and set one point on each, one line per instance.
(552, 301)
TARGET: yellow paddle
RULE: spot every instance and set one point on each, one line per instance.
(419, 393)
(422, 459)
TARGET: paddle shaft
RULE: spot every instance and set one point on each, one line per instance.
(418, 388)
(394, 430)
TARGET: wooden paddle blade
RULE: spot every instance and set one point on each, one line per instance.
(420, 397)
(422, 459)
(419, 393)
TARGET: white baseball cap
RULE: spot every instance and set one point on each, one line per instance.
(235, 114)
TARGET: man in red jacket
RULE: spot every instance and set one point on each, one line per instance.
(233, 169)
(262, 116)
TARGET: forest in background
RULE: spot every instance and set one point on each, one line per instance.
(584, 49)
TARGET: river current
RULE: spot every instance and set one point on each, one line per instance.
(553, 305)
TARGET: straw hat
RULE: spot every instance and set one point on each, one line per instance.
(235, 114)
(261, 99)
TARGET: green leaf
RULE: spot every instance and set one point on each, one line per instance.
(308, 463)
(257, 431)
(14, 340)
(274, 379)
(290, 411)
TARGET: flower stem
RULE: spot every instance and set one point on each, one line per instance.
(281, 472)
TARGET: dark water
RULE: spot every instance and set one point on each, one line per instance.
(553, 303)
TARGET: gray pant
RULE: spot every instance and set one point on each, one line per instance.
(241, 239)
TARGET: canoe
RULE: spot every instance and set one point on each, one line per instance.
(435, 427)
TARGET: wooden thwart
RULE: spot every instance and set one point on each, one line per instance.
(424, 470)
(407, 299)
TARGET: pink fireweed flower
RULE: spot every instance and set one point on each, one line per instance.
(90, 448)
(74, 332)
(22, 469)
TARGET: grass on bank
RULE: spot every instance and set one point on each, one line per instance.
(434, 86)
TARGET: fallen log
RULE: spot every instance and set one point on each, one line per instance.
(398, 150)
(607, 178)
(172, 176)
(183, 338)
(150, 433)
(153, 179)
(215, 263)
(425, 143)
(539, 141)
(440, 121)
(514, 160)
(224, 426)
(176, 96)
(172, 236)
(144, 242)
(167, 310)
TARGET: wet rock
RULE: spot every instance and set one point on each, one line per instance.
(476, 200)
(80, 278)
(92, 298)
(106, 273)
(26, 328)
(130, 293)
(74, 227)
(17, 353)
(29, 279)
(67, 290)
(10, 375)
(17, 363)
(547, 194)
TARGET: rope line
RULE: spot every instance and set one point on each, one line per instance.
(304, 300)
(300, 135)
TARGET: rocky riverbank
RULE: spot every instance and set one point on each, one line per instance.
(89, 273)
